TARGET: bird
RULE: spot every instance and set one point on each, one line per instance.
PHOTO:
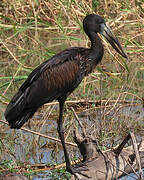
(59, 76)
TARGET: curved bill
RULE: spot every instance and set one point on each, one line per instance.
(107, 33)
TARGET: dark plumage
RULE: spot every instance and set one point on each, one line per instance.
(57, 77)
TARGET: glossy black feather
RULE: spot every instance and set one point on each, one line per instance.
(54, 78)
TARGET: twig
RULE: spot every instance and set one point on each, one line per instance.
(12, 54)
(90, 101)
(38, 28)
(133, 95)
(137, 155)
(81, 125)
(43, 135)
(130, 164)
(44, 120)
(118, 150)
(99, 101)
(84, 85)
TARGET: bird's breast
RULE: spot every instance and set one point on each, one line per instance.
(87, 66)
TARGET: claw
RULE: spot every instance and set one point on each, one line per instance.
(82, 164)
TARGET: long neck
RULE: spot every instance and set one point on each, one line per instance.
(96, 48)
(96, 43)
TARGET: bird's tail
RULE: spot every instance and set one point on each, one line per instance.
(17, 112)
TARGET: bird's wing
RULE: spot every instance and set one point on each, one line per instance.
(54, 78)
(56, 61)
(49, 81)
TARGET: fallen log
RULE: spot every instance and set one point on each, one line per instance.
(106, 165)
(12, 176)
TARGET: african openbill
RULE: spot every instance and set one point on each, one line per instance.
(56, 78)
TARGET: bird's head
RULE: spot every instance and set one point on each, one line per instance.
(95, 23)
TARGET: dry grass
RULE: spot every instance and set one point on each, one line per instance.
(33, 31)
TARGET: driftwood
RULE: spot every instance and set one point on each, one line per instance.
(108, 165)
(12, 176)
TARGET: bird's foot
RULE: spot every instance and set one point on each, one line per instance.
(81, 164)
(78, 170)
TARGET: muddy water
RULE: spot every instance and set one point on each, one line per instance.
(30, 148)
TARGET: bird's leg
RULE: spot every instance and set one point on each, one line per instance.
(69, 168)
(61, 134)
